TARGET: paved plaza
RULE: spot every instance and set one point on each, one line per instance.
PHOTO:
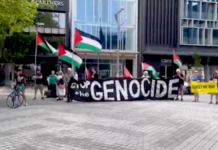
(139, 125)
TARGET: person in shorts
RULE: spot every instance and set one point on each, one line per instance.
(20, 81)
(38, 83)
(180, 76)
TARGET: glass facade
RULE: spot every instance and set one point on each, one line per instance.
(51, 20)
(96, 17)
(105, 68)
(49, 23)
(199, 22)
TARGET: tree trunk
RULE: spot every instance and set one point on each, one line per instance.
(9, 73)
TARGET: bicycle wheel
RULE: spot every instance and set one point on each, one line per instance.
(13, 102)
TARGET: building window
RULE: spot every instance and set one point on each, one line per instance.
(80, 7)
(105, 68)
(215, 37)
(104, 11)
(204, 11)
(97, 19)
(187, 35)
(62, 20)
(89, 10)
(51, 20)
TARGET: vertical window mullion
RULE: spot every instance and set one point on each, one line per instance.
(85, 10)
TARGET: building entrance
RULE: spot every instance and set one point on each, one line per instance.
(166, 72)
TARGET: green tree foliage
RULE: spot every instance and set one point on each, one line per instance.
(15, 15)
(197, 60)
(17, 45)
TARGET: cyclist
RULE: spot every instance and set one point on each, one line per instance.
(20, 81)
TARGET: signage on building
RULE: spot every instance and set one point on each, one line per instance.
(55, 3)
(166, 60)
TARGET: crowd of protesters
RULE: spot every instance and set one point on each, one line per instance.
(58, 83)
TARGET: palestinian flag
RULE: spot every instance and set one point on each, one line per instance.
(176, 60)
(44, 44)
(88, 74)
(148, 67)
(69, 57)
(86, 41)
(126, 73)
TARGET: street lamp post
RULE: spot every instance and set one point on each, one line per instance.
(117, 17)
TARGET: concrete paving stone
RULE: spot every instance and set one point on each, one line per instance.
(144, 125)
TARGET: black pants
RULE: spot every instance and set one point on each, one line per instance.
(53, 90)
(70, 95)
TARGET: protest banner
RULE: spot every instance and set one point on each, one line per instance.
(123, 89)
(203, 87)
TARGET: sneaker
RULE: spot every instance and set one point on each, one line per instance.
(34, 98)
(216, 102)
(42, 98)
(25, 104)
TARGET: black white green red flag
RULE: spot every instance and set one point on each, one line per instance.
(176, 60)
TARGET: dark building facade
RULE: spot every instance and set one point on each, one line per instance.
(185, 26)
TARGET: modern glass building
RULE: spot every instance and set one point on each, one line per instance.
(96, 17)
(199, 22)
(184, 26)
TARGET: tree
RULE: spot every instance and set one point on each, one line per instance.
(17, 45)
(15, 15)
(197, 60)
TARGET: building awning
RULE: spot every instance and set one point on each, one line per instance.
(206, 52)
(106, 54)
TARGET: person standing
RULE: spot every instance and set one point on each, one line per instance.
(67, 77)
(38, 83)
(20, 82)
(60, 84)
(94, 74)
(180, 76)
(214, 78)
(196, 77)
(145, 74)
(52, 80)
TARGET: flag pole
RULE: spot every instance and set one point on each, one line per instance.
(73, 32)
(36, 51)
(173, 64)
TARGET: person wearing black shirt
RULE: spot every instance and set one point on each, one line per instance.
(38, 83)
(180, 76)
(94, 74)
(70, 90)
(20, 85)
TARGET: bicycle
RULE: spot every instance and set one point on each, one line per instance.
(12, 100)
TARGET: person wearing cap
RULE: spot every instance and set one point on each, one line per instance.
(180, 76)
(38, 83)
(198, 78)
(20, 81)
